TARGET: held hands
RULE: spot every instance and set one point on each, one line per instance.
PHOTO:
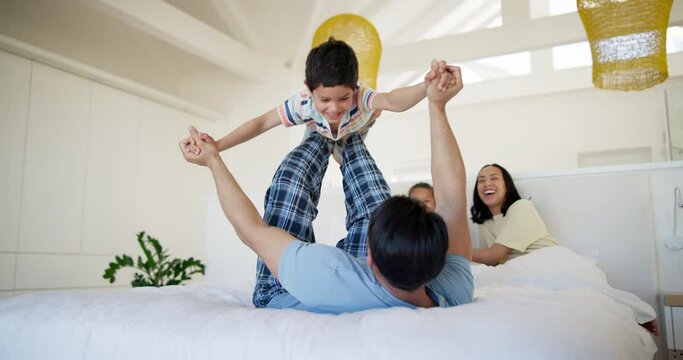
(441, 73)
(454, 84)
(199, 148)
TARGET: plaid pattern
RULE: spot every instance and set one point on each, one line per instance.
(292, 199)
(291, 204)
(364, 190)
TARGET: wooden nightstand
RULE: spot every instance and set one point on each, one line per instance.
(673, 321)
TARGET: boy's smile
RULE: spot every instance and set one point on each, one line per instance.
(333, 102)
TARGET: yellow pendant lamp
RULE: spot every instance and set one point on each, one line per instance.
(361, 36)
(628, 41)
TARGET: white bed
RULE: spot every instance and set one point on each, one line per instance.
(551, 304)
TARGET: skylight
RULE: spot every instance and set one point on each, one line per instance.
(544, 8)
(467, 16)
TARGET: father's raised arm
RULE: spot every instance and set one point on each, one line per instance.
(268, 242)
(448, 170)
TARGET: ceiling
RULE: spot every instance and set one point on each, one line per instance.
(201, 50)
(274, 35)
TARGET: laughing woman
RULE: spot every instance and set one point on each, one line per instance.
(508, 225)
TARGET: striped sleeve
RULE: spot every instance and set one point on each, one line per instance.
(364, 99)
(290, 110)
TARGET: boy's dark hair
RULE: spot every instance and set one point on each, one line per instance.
(407, 243)
(421, 185)
(480, 212)
(330, 64)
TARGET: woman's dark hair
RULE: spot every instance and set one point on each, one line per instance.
(480, 212)
(330, 64)
(407, 243)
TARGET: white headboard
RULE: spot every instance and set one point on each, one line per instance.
(607, 213)
(610, 214)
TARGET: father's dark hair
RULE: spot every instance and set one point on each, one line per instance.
(330, 64)
(480, 212)
(407, 243)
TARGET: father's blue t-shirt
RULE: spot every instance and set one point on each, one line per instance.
(325, 279)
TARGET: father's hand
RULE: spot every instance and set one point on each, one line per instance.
(442, 96)
(199, 148)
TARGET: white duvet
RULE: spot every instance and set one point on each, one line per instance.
(551, 304)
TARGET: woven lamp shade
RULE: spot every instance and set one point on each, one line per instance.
(628, 41)
(361, 36)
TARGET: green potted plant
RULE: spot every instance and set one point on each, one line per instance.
(156, 267)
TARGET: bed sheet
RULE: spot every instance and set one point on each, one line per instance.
(549, 304)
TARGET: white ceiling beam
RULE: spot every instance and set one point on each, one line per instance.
(484, 16)
(234, 19)
(421, 22)
(514, 11)
(371, 9)
(507, 39)
(538, 85)
(298, 60)
(170, 24)
(543, 84)
(516, 37)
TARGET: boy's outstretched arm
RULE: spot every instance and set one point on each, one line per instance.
(249, 130)
(404, 98)
(400, 99)
(448, 169)
(268, 242)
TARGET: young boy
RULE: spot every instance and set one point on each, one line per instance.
(333, 103)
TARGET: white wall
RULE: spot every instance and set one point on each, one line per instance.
(536, 133)
(529, 133)
(84, 168)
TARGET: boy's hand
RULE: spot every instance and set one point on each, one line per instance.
(438, 96)
(441, 72)
(199, 148)
(432, 73)
(191, 145)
